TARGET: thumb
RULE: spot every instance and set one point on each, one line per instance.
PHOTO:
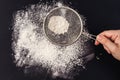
(111, 46)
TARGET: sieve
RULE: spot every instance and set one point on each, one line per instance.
(74, 31)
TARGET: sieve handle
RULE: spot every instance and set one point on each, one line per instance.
(91, 36)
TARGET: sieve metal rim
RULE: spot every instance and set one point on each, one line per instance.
(80, 19)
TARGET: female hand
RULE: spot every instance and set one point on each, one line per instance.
(111, 42)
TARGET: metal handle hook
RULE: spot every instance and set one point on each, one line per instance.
(91, 36)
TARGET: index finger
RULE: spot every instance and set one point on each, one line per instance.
(112, 34)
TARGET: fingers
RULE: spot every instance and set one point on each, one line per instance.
(109, 46)
(97, 43)
(111, 42)
(111, 34)
(105, 33)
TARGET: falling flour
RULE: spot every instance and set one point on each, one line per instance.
(58, 25)
(31, 46)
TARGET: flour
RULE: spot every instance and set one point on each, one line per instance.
(31, 47)
(58, 24)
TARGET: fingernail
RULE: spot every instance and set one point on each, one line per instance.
(96, 43)
(99, 37)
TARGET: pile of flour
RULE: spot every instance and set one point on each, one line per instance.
(31, 46)
(58, 24)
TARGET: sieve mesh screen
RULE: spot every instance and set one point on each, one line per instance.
(74, 29)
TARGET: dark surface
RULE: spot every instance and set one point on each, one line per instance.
(100, 14)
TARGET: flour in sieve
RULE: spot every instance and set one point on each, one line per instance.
(58, 24)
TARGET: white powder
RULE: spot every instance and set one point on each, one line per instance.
(32, 48)
(59, 4)
(58, 24)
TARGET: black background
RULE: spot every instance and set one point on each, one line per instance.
(100, 14)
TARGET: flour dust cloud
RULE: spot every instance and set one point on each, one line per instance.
(35, 53)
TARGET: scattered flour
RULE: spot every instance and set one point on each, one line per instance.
(58, 24)
(31, 47)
